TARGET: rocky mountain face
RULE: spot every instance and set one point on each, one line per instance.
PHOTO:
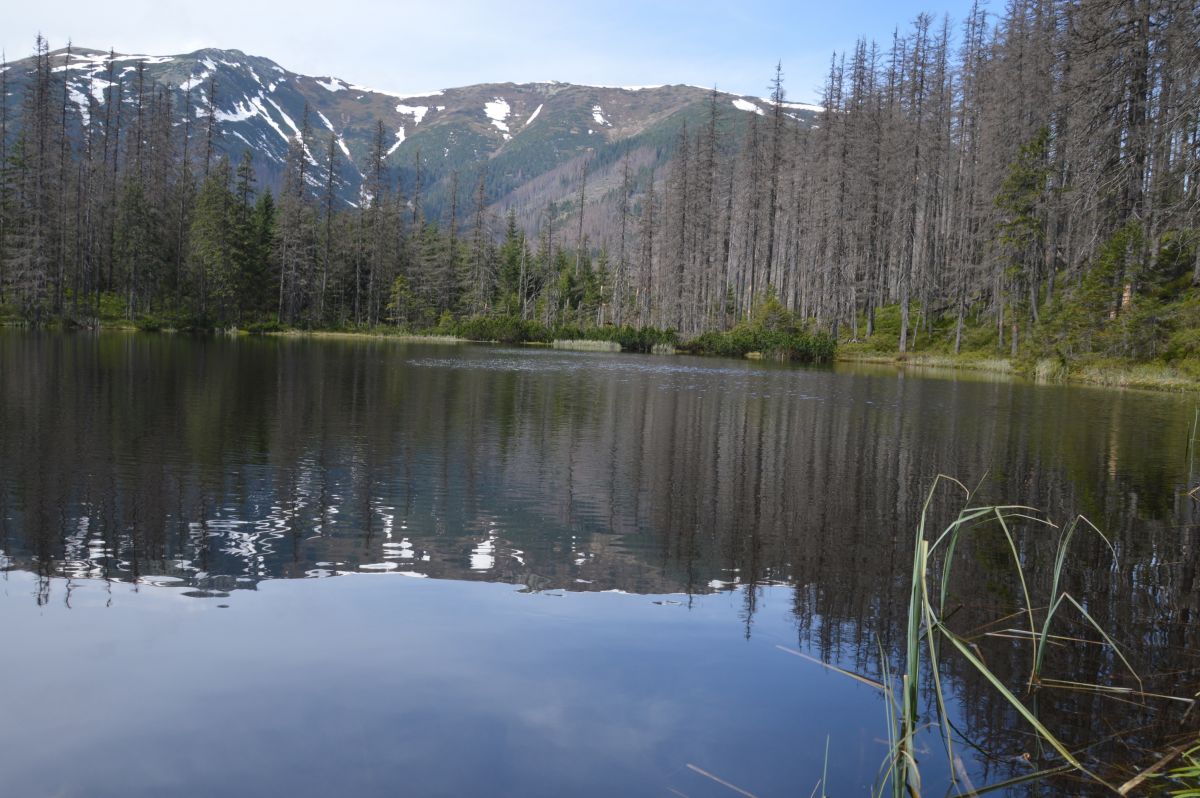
(528, 142)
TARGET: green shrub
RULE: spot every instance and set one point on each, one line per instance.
(772, 331)
(112, 307)
(150, 322)
(514, 330)
(263, 327)
(504, 329)
(631, 339)
(796, 346)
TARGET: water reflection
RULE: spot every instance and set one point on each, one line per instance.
(214, 464)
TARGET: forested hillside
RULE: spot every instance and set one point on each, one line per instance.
(1021, 182)
(1031, 175)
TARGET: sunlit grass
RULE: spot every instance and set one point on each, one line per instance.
(995, 365)
(586, 346)
(1149, 376)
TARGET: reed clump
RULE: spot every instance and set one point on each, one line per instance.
(929, 643)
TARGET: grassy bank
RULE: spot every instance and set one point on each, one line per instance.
(1042, 355)
(1106, 373)
(773, 333)
(513, 330)
(389, 334)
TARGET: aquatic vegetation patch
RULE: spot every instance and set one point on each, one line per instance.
(931, 641)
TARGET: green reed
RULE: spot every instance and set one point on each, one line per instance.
(1185, 776)
(929, 641)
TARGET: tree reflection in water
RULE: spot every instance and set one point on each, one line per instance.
(216, 463)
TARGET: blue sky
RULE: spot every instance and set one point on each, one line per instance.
(411, 47)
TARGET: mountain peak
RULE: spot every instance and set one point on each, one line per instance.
(527, 140)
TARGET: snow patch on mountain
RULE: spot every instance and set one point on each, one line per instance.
(240, 113)
(266, 115)
(399, 141)
(331, 85)
(299, 134)
(287, 119)
(397, 95)
(416, 111)
(341, 142)
(598, 116)
(194, 81)
(98, 86)
(534, 115)
(746, 105)
(803, 107)
(80, 100)
(102, 58)
(498, 110)
(602, 86)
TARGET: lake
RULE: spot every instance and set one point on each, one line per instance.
(302, 566)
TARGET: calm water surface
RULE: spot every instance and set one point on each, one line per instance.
(302, 567)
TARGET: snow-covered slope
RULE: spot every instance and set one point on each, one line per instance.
(512, 132)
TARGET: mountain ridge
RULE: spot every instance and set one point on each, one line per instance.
(509, 133)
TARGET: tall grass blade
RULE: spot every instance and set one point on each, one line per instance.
(720, 780)
(1025, 778)
(1116, 649)
(825, 770)
(856, 676)
(1060, 558)
(1020, 569)
(1016, 704)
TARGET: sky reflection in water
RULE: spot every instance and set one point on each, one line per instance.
(740, 506)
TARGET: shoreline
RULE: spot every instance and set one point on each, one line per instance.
(1136, 376)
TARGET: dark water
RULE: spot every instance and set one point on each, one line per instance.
(555, 574)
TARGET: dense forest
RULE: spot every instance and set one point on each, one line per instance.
(1017, 182)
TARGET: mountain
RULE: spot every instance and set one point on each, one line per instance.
(530, 141)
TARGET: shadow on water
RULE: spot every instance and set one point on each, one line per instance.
(208, 465)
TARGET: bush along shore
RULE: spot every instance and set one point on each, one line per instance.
(770, 333)
(1151, 345)
(1059, 350)
(1116, 352)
